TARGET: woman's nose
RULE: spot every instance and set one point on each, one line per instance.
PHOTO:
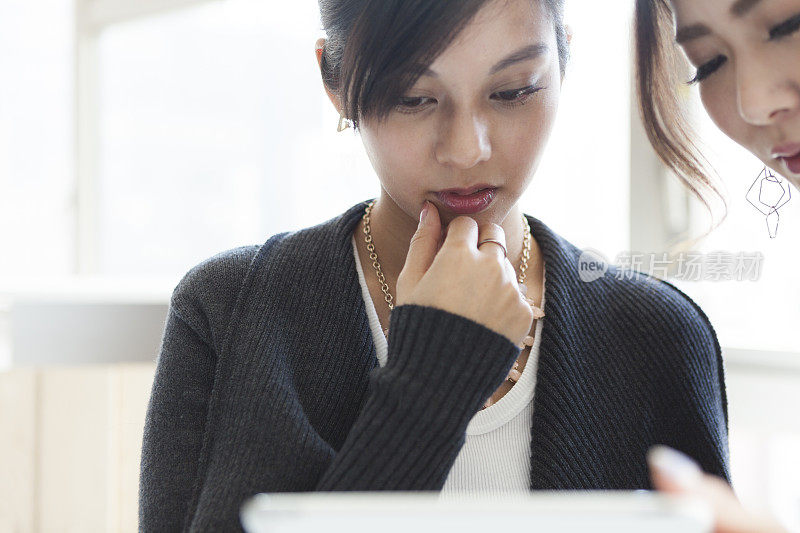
(464, 141)
(765, 91)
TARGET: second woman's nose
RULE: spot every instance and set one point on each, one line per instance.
(765, 94)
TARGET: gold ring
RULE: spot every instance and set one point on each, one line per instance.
(498, 243)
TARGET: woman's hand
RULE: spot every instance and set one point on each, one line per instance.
(477, 283)
(675, 473)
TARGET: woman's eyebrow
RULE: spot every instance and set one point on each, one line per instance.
(689, 33)
(738, 9)
(525, 53)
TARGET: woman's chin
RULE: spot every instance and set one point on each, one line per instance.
(794, 180)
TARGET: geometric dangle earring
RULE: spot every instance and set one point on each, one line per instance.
(768, 194)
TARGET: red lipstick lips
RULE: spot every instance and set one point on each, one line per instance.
(467, 201)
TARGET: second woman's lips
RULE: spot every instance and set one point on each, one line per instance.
(790, 155)
(793, 164)
(786, 150)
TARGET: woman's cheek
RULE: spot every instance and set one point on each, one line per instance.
(392, 150)
(527, 148)
(721, 106)
(530, 135)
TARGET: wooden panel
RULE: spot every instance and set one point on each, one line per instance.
(70, 447)
(75, 483)
(17, 450)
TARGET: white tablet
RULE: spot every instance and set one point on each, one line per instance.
(415, 512)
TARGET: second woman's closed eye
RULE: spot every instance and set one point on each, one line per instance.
(776, 33)
(708, 68)
(786, 28)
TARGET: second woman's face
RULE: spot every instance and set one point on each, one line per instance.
(479, 119)
(747, 54)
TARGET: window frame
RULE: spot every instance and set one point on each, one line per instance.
(91, 17)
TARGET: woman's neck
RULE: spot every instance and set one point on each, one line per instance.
(392, 230)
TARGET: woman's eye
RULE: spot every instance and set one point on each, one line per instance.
(785, 28)
(518, 96)
(410, 105)
(707, 69)
(510, 98)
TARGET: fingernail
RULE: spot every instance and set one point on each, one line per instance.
(424, 213)
(678, 467)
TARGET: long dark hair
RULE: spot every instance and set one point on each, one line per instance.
(658, 70)
(376, 49)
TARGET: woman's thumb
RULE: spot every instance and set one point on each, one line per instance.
(673, 471)
(423, 247)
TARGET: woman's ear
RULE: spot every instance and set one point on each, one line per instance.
(318, 46)
(568, 32)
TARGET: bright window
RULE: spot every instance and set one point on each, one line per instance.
(36, 139)
(216, 133)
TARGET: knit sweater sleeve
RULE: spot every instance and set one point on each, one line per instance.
(178, 406)
(695, 388)
(441, 368)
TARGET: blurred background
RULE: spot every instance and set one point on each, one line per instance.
(139, 137)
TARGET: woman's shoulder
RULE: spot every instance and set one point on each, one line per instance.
(225, 271)
(657, 300)
(653, 308)
(644, 301)
(207, 293)
(219, 273)
(211, 286)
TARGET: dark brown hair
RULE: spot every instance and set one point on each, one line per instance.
(658, 70)
(377, 49)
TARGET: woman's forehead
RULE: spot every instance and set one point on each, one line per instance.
(722, 10)
(499, 29)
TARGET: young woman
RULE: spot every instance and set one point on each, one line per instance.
(276, 371)
(747, 59)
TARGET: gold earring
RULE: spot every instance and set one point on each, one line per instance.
(342, 121)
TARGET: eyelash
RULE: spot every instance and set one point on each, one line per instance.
(511, 98)
(706, 69)
(784, 29)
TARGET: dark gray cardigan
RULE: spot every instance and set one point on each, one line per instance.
(267, 381)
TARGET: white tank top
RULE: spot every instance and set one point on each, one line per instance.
(496, 453)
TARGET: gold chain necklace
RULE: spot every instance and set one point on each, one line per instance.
(514, 374)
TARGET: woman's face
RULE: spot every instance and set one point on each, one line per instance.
(479, 119)
(748, 57)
